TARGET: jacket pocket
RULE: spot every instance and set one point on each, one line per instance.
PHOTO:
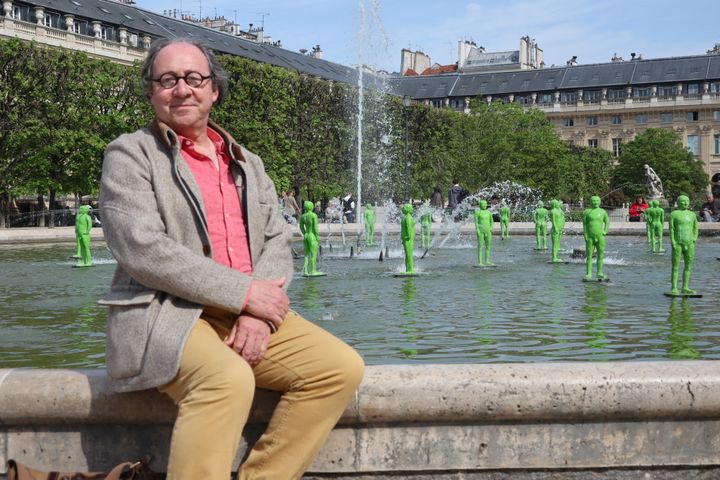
(131, 316)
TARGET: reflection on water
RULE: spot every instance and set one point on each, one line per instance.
(682, 330)
(525, 310)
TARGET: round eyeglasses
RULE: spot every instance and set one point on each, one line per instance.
(192, 79)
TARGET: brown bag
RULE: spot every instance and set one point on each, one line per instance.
(124, 471)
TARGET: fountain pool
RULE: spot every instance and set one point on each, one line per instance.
(523, 311)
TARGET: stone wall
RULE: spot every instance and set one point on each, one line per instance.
(524, 421)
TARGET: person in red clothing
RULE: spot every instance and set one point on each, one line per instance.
(637, 208)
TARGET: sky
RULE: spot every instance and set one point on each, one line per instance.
(374, 32)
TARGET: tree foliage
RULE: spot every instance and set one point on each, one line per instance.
(679, 170)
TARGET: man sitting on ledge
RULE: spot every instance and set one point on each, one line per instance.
(710, 211)
(198, 307)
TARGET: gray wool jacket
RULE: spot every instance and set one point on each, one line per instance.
(155, 225)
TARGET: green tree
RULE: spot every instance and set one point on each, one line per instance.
(661, 149)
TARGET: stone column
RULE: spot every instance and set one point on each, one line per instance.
(39, 15)
(69, 23)
(97, 29)
(123, 35)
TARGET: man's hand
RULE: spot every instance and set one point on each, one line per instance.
(249, 337)
(268, 300)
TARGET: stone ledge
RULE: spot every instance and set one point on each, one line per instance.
(407, 418)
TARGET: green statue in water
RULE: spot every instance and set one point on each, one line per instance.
(655, 217)
(540, 217)
(369, 216)
(683, 235)
(483, 229)
(557, 220)
(425, 223)
(504, 221)
(83, 226)
(407, 235)
(596, 225)
(311, 236)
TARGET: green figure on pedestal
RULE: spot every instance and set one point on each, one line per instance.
(425, 223)
(311, 236)
(596, 225)
(557, 220)
(504, 221)
(369, 216)
(683, 235)
(407, 235)
(83, 226)
(540, 217)
(483, 229)
(655, 217)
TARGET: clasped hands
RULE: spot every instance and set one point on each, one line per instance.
(250, 333)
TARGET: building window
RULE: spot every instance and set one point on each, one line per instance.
(667, 91)
(591, 121)
(693, 144)
(641, 92)
(569, 122)
(437, 103)
(666, 117)
(616, 120)
(715, 87)
(641, 119)
(616, 94)
(617, 146)
(592, 96)
(568, 97)
(717, 144)
(693, 89)
(593, 143)
(716, 115)
(546, 98)
(107, 33)
(692, 116)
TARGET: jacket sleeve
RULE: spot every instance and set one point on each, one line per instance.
(275, 258)
(159, 243)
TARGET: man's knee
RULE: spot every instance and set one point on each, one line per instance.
(351, 369)
(233, 383)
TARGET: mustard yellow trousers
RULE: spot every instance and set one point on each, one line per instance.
(316, 373)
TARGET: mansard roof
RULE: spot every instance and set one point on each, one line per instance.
(595, 76)
(156, 25)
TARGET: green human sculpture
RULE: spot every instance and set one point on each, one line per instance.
(683, 235)
(655, 217)
(83, 226)
(369, 216)
(648, 223)
(483, 229)
(425, 223)
(540, 217)
(557, 220)
(407, 235)
(311, 236)
(596, 225)
(504, 221)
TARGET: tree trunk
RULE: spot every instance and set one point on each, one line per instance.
(53, 207)
(40, 210)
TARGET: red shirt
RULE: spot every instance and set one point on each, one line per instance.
(223, 211)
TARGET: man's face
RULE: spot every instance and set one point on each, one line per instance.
(683, 202)
(710, 198)
(182, 108)
(595, 202)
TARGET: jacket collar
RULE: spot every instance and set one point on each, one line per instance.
(169, 138)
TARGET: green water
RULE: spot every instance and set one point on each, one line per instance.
(523, 311)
